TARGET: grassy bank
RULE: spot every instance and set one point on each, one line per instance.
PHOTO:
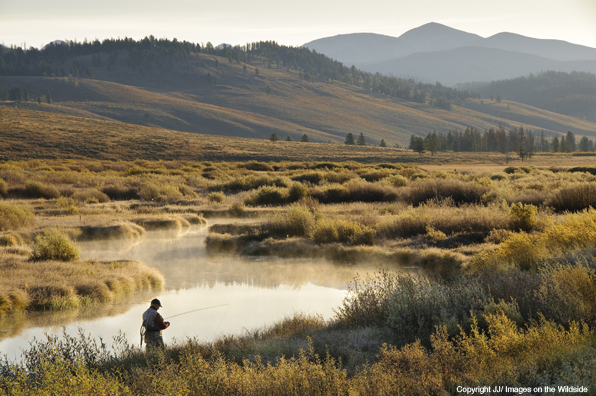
(39, 285)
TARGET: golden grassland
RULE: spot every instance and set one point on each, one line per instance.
(34, 134)
(505, 292)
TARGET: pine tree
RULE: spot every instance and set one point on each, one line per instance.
(431, 143)
(584, 144)
(413, 141)
(361, 141)
(350, 139)
(383, 144)
(555, 145)
(304, 138)
(418, 145)
(570, 142)
(273, 137)
(288, 138)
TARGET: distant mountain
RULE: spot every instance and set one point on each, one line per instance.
(434, 52)
(474, 64)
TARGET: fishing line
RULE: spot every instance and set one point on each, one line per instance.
(195, 310)
(222, 318)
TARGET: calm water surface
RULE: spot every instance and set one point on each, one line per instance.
(258, 292)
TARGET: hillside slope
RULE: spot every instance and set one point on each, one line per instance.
(245, 104)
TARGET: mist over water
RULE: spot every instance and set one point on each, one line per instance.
(258, 291)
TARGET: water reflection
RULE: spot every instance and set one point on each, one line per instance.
(259, 291)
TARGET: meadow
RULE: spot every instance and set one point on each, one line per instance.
(504, 290)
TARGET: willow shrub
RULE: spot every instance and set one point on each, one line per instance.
(3, 188)
(543, 353)
(574, 198)
(530, 252)
(460, 191)
(14, 217)
(54, 245)
(343, 231)
(295, 221)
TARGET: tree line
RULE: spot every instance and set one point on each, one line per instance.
(572, 94)
(525, 143)
(151, 52)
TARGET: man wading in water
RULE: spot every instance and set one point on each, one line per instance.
(154, 324)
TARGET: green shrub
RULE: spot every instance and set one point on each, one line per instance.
(523, 217)
(13, 217)
(34, 189)
(54, 245)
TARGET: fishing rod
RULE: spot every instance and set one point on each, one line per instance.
(195, 310)
(142, 330)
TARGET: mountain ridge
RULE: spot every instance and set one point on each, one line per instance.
(399, 56)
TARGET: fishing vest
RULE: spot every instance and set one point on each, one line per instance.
(149, 320)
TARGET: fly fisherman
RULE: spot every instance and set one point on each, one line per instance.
(153, 324)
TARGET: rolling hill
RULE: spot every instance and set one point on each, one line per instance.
(267, 92)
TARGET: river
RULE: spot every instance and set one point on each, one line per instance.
(254, 292)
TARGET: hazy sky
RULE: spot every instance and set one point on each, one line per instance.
(37, 22)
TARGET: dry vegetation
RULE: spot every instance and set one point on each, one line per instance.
(506, 293)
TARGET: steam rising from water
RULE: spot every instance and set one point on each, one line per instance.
(259, 291)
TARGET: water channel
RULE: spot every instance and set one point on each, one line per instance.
(257, 291)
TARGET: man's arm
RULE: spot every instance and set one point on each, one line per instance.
(160, 323)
